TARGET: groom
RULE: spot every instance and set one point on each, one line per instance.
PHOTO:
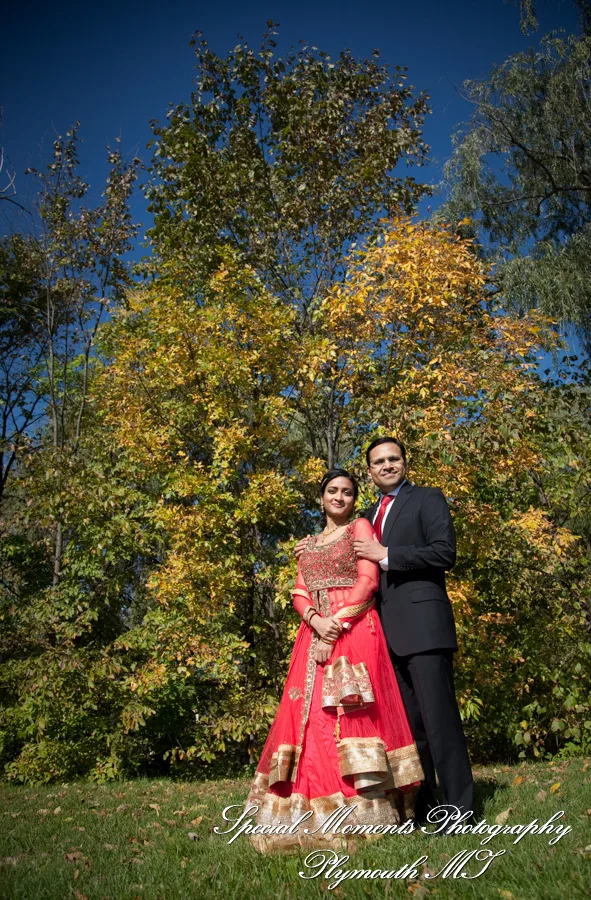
(415, 544)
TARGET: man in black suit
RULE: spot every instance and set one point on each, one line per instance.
(416, 544)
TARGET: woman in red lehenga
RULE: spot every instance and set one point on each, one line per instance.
(341, 736)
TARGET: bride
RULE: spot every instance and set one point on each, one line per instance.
(340, 736)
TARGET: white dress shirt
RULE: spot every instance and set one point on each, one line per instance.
(384, 561)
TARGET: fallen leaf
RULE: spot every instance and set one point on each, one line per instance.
(14, 815)
(554, 787)
(10, 860)
(503, 816)
(585, 851)
(76, 874)
(541, 795)
(155, 807)
(506, 894)
(169, 821)
(57, 810)
(518, 779)
(109, 846)
(80, 896)
(75, 854)
(197, 821)
(121, 807)
(42, 812)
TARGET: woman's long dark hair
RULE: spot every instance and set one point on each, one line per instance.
(329, 476)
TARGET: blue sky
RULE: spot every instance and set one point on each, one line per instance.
(114, 66)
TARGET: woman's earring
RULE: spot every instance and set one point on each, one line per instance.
(322, 510)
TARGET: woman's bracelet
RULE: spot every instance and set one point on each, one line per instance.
(309, 612)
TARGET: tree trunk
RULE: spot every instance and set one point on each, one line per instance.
(57, 557)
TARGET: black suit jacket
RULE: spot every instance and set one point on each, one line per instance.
(414, 607)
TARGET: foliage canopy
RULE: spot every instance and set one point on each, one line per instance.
(521, 176)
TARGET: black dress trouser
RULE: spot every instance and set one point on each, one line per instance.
(427, 687)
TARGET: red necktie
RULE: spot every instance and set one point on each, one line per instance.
(380, 516)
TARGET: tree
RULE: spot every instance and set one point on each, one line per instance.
(56, 598)
(197, 397)
(166, 640)
(417, 345)
(529, 19)
(289, 161)
(7, 181)
(8, 190)
(520, 176)
(22, 391)
(204, 393)
(56, 288)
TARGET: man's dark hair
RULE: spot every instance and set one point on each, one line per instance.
(338, 473)
(385, 440)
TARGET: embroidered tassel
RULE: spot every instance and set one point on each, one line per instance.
(337, 728)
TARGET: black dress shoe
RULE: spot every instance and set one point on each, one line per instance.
(424, 803)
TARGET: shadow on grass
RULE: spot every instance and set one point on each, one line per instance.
(484, 790)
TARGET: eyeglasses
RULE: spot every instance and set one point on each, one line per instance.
(378, 463)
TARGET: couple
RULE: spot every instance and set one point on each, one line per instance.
(368, 713)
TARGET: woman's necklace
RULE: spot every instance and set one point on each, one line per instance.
(324, 534)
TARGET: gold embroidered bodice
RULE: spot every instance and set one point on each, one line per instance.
(329, 565)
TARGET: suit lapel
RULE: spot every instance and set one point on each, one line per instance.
(370, 513)
(401, 498)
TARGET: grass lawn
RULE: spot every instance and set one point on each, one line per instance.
(131, 840)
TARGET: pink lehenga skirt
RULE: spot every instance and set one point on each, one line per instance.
(340, 739)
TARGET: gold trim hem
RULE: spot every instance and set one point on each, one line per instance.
(346, 685)
(324, 827)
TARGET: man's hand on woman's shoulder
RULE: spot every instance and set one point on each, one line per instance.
(371, 550)
(301, 546)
